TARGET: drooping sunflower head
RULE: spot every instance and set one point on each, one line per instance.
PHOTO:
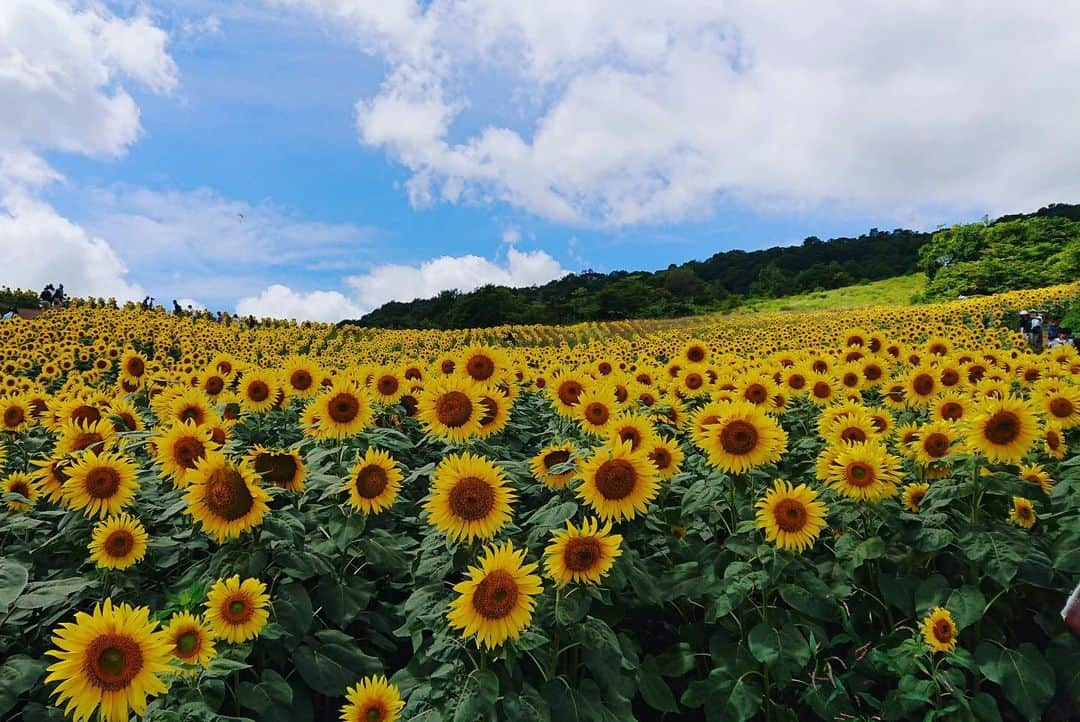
(1003, 430)
(1036, 474)
(582, 555)
(496, 602)
(374, 482)
(618, 482)
(118, 542)
(237, 610)
(470, 498)
(791, 516)
(226, 497)
(22, 487)
(939, 630)
(554, 466)
(191, 640)
(372, 699)
(100, 484)
(109, 660)
(283, 468)
(451, 408)
(1022, 512)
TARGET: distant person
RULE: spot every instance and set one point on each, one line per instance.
(47, 296)
(176, 308)
(1062, 338)
(58, 296)
(1052, 328)
(11, 313)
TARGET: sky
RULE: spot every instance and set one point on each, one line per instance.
(313, 159)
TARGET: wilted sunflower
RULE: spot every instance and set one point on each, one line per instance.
(618, 483)
(283, 468)
(118, 542)
(496, 602)
(913, 496)
(582, 555)
(341, 410)
(451, 408)
(374, 482)
(551, 457)
(100, 484)
(25, 486)
(226, 497)
(180, 448)
(939, 630)
(470, 498)
(866, 472)
(235, 610)
(1036, 474)
(190, 639)
(372, 699)
(1022, 512)
(111, 659)
(791, 516)
(1003, 430)
(744, 437)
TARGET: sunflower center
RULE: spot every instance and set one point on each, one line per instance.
(187, 644)
(604, 368)
(227, 494)
(950, 377)
(872, 372)
(796, 381)
(661, 458)
(343, 408)
(568, 392)
(258, 391)
(1053, 440)
(1059, 407)
(301, 379)
(102, 482)
(630, 434)
(1023, 512)
(756, 393)
(923, 384)
(447, 366)
(1002, 428)
(472, 498)
(695, 354)
(822, 390)
(480, 367)
(237, 610)
(278, 469)
(951, 411)
(112, 661)
(214, 385)
(694, 381)
(491, 410)
(454, 409)
(21, 488)
(120, 543)
(943, 631)
(85, 415)
(13, 416)
(739, 437)
(192, 413)
(127, 422)
(374, 711)
(916, 497)
(853, 434)
(936, 445)
(790, 515)
(597, 413)
(859, 474)
(387, 385)
(187, 450)
(135, 367)
(371, 481)
(615, 479)
(496, 596)
(582, 553)
(555, 458)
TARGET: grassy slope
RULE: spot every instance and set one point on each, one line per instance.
(892, 292)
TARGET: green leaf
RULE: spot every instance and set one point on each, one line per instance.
(813, 605)
(223, 666)
(13, 578)
(572, 607)
(764, 644)
(1023, 675)
(331, 661)
(478, 696)
(985, 708)
(17, 675)
(271, 690)
(656, 693)
(931, 593)
(966, 605)
(526, 706)
(292, 609)
(53, 593)
(343, 599)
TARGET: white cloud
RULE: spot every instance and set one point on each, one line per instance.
(398, 282)
(645, 112)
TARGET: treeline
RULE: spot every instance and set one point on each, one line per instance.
(720, 283)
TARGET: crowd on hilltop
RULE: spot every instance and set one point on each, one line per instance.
(1037, 335)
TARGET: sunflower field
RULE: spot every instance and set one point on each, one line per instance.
(865, 514)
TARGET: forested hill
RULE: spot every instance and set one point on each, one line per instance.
(721, 282)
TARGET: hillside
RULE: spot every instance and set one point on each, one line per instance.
(968, 259)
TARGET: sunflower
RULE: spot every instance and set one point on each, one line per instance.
(564, 391)
(822, 389)
(124, 416)
(551, 457)
(470, 498)
(15, 414)
(854, 426)
(921, 385)
(300, 376)
(619, 483)
(342, 410)
(632, 429)
(118, 542)
(372, 699)
(939, 630)
(100, 484)
(85, 435)
(258, 390)
(1022, 512)
(1036, 474)
(496, 602)
(226, 497)
(693, 380)
(237, 611)
(191, 405)
(451, 408)
(283, 468)
(179, 448)
(374, 482)
(596, 409)
(387, 386)
(866, 472)
(1060, 403)
(935, 441)
(495, 407)
(695, 352)
(23, 485)
(112, 658)
(51, 475)
(482, 364)
(913, 496)
(1054, 442)
(582, 555)
(190, 639)
(744, 437)
(791, 516)
(212, 383)
(666, 455)
(1004, 430)
(132, 366)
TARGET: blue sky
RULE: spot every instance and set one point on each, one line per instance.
(335, 147)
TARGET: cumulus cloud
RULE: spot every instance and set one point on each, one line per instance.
(643, 112)
(401, 282)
